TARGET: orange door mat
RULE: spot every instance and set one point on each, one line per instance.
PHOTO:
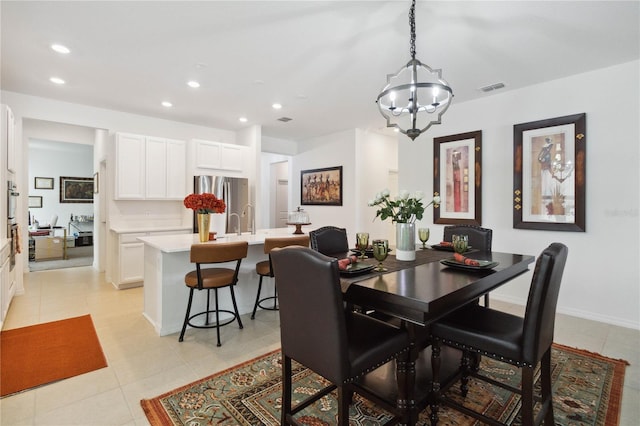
(44, 353)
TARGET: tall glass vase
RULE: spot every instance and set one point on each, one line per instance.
(204, 221)
(406, 241)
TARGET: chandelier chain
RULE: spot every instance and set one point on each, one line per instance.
(412, 25)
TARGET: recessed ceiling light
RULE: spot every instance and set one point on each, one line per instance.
(56, 80)
(60, 48)
(167, 104)
(277, 106)
(193, 84)
(243, 119)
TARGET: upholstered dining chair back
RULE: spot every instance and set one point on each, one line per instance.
(540, 313)
(479, 238)
(329, 240)
(309, 290)
(318, 332)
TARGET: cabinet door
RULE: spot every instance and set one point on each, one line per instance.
(4, 278)
(131, 262)
(231, 157)
(176, 169)
(130, 167)
(156, 177)
(207, 154)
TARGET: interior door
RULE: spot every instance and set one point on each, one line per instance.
(282, 204)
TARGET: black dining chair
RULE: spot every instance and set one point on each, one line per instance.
(319, 333)
(213, 278)
(521, 341)
(479, 239)
(330, 240)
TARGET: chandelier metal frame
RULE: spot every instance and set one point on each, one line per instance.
(435, 89)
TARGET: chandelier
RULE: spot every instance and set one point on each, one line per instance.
(416, 96)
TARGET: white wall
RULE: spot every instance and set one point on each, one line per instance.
(54, 159)
(366, 158)
(602, 277)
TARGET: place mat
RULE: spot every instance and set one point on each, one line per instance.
(587, 391)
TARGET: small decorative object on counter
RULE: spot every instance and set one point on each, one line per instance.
(203, 205)
(298, 218)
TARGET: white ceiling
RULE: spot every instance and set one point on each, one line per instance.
(325, 61)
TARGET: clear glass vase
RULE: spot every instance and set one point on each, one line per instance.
(406, 241)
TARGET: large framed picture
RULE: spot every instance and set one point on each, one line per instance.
(457, 178)
(76, 189)
(549, 174)
(43, 183)
(321, 187)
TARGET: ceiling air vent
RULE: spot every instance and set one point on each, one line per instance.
(491, 87)
(284, 119)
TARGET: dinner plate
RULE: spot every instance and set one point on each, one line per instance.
(484, 264)
(368, 252)
(446, 248)
(357, 268)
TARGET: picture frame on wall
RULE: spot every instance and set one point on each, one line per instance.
(321, 187)
(76, 189)
(35, 202)
(549, 174)
(43, 183)
(457, 178)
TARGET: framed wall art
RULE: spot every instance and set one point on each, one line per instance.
(43, 183)
(321, 187)
(76, 189)
(35, 202)
(457, 178)
(549, 174)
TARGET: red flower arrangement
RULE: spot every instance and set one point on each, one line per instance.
(204, 203)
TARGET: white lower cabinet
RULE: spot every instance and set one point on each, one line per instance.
(7, 283)
(130, 262)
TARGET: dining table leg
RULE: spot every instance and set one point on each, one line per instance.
(406, 379)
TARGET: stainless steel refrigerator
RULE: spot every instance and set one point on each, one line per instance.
(234, 192)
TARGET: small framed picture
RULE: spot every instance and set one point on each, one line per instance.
(457, 178)
(43, 183)
(549, 174)
(321, 187)
(35, 202)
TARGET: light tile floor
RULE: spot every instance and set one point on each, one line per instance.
(143, 365)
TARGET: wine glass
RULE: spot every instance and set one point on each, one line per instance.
(423, 234)
(460, 243)
(380, 252)
(362, 243)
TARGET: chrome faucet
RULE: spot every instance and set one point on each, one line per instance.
(238, 230)
(245, 211)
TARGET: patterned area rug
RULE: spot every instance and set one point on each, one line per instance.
(587, 391)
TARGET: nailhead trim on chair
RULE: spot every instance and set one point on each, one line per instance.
(370, 369)
(489, 354)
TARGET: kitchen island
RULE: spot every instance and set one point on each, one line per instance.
(166, 261)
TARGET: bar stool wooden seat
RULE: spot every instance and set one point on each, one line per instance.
(264, 268)
(213, 279)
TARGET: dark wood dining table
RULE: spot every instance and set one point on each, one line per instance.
(419, 292)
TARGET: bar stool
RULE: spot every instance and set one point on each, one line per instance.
(213, 279)
(264, 268)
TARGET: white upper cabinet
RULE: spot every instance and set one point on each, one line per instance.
(130, 161)
(219, 156)
(150, 168)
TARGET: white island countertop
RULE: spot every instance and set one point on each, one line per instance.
(183, 242)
